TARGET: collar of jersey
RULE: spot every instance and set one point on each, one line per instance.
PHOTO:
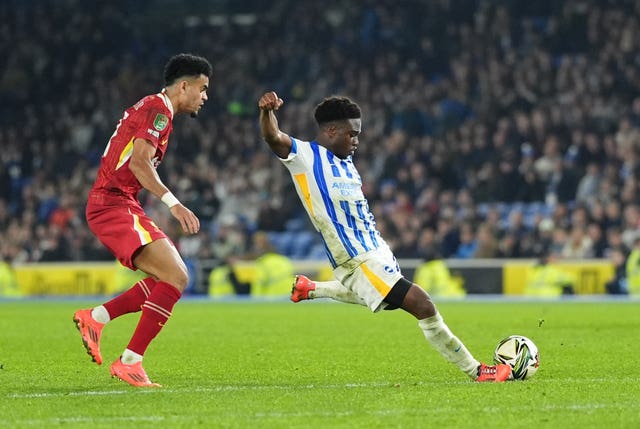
(167, 101)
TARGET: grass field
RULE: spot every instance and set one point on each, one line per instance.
(322, 365)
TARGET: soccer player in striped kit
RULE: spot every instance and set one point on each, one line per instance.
(366, 270)
(116, 217)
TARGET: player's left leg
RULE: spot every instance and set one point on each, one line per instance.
(304, 288)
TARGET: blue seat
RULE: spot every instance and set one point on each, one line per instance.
(317, 252)
(301, 244)
(278, 241)
(294, 225)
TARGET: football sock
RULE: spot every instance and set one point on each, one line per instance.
(335, 290)
(100, 314)
(156, 310)
(129, 301)
(130, 357)
(448, 345)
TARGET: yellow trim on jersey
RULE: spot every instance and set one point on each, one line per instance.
(304, 187)
(376, 281)
(126, 154)
(145, 237)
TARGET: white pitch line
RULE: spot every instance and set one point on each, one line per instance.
(588, 408)
(237, 388)
(67, 420)
(318, 413)
(48, 395)
(227, 388)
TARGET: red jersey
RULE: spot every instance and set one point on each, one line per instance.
(149, 119)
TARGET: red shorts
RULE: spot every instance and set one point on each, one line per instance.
(121, 225)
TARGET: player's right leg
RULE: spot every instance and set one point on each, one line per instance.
(417, 302)
(131, 300)
(304, 288)
(90, 331)
(493, 373)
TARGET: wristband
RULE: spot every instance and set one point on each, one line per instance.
(169, 199)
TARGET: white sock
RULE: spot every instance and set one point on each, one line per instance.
(335, 290)
(448, 345)
(129, 357)
(100, 314)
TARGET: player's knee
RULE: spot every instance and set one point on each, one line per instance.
(418, 302)
(182, 278)
(177, 276)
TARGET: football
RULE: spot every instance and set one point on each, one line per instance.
(520, 353)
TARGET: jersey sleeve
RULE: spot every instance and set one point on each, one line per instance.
(152, 122)
(300, 158)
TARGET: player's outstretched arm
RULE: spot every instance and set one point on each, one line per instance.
(141, 165)
(279, 142)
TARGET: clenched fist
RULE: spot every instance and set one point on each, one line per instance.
(270, 101)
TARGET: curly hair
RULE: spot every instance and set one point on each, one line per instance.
(336, 108)
(185, 65)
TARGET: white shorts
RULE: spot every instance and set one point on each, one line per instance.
(370, 276)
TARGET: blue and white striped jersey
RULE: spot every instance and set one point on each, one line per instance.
(330, 189)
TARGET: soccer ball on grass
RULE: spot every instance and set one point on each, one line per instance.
(520, 353)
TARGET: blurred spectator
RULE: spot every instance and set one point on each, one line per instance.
(633, 268)
(271, 275)
(230, 239)
(8, 283)
(487, 246)
(468, 242)
(578, 245)
(548, 280)
(435, 277)
(618, 285)
(589, 184)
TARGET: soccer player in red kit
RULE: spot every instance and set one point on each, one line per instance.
(116, 217)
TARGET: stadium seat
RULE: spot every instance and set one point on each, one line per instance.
(295, 224)
(301, 244)
(276, 240)
(317, 252)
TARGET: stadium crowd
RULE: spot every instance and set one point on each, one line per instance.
(490, 128)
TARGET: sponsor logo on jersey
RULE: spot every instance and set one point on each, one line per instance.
(346, 189)
(160, 122)
(390, 269)
(154, 133)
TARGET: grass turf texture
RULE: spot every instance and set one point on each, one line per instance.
(283, 365)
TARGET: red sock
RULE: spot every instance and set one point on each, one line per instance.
(130, 301)
(156, 310)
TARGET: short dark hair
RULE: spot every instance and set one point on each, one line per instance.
(336, 108)
(185, 65)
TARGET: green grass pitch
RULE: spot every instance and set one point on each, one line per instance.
(322, 365)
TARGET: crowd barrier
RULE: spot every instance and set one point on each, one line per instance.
(478, 276)
(68, 279)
